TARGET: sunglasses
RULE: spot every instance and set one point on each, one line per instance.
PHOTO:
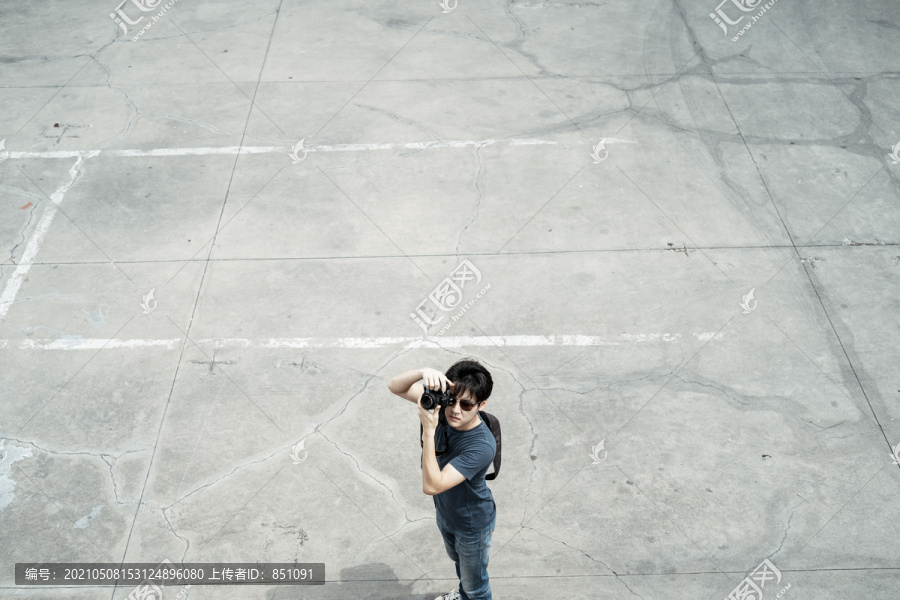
(466, 405)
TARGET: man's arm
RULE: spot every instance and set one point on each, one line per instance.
(406, 383)
(435, 481)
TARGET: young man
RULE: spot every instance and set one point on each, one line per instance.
(466, 513)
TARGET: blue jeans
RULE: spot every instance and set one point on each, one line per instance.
(469, 549)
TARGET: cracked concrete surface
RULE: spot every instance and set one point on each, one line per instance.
(283, 292)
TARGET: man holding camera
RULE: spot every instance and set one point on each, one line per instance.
(454, 473)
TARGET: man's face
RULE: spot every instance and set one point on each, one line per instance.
(460, 419)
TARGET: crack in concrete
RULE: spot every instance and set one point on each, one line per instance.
(819, 426)
(135, 111)
(74, 175)
(103, 455)
(715, 387)
(186, 541)
(219, 478)
(542, 534)
(519, 42)
(112, 478)
(617, 576)
(22, 230)
(368, 380)
(389, 536)
(404, 120)
(627, 587)
(531, 453)
(480, 193)
(190, 121)
(787, 528)
(603, 387)
(363, 471)
(108, 459)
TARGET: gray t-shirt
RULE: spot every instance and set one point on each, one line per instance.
(470, 504)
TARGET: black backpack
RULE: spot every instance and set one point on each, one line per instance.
(492, 423)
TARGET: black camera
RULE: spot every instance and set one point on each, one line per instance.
(432, 398)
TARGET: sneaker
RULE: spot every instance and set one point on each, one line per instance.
(454, 595)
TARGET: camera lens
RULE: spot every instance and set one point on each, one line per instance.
(428, 401)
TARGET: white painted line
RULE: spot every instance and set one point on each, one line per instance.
(92, 344)
(37, 238)
(566, 5)
(202, 151)
(528, 142)
(275, 149)
(618, 141)
(516, 341)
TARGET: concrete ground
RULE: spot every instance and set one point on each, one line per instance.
(682, 272)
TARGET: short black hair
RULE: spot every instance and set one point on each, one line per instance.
(470, 376)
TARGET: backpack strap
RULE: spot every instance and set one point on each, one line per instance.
(494, 425)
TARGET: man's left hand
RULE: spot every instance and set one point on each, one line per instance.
(429, 418)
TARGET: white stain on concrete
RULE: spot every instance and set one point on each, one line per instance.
(83, 521)
(96, 320)
(10, 454)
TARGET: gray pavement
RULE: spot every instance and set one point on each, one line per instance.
(677, 254)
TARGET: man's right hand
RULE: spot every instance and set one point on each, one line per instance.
(435, 380)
